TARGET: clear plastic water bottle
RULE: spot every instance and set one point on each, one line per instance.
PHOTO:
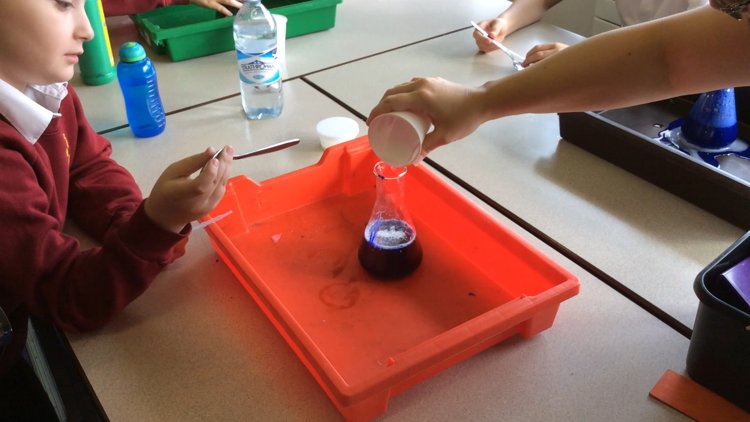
(260, 71)
(137, 78)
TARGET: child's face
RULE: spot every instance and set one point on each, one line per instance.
(40, 40)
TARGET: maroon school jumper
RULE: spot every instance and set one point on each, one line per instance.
(131, 7)
(68, 173)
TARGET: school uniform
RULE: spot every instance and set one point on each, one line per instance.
(131, 7)
(55, 167)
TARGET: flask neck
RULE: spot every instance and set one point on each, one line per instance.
(389, 188)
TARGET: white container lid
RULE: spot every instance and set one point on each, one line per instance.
(335, 130)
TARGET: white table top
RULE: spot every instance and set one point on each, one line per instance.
(222, 122)
(196, 347)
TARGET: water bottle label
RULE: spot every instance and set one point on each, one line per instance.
(259, 69)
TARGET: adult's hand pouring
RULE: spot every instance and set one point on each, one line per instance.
(696, 51)
(454, 110)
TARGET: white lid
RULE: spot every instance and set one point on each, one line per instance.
(396, 137)
(335, 130)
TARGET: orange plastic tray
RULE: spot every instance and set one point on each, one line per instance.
(292, 242)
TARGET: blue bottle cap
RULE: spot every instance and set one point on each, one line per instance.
(131, 52)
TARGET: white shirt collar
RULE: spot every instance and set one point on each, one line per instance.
(31, 111)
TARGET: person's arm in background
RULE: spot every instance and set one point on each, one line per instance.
(520, 14)
(696, 51)
(131, 7)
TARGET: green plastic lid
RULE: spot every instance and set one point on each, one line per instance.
(131, 52)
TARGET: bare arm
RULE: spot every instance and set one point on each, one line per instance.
(525, 12)
(689, 53)
(692, 52)
(130, 7)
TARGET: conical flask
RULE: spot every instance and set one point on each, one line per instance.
(390, 248)
(712, 122)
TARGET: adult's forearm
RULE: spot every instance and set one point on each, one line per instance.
(692, 52)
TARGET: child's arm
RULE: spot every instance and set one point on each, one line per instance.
(692, 52)
(102, 193)
(520, 14)
(218, 5)
(45, 270)
(131, 7)
(186, 190)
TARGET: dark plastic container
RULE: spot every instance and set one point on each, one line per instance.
(719, 353)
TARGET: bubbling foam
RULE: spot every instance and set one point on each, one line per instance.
(389, 234)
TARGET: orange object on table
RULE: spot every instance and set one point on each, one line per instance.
(292, 242)
(695, 400)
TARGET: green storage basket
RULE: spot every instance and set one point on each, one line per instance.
(186, 32)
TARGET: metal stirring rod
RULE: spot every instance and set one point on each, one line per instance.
(265, 150)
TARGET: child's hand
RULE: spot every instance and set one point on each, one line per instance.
(542, 51)
(177, 199)
(496, 28)
(218, 5)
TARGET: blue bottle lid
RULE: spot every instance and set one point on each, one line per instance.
(131, 52)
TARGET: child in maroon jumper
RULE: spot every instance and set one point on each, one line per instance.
(56, 167)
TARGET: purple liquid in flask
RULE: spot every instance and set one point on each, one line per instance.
(390, 248)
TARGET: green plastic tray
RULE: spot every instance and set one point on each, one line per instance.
(186, 32)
